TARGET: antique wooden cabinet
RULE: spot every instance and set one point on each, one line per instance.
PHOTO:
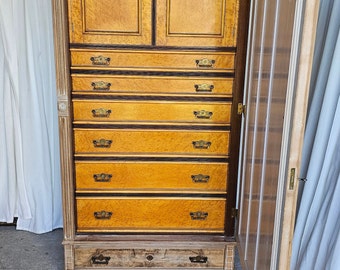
(149, 98)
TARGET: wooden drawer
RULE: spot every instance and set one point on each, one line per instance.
(122, 176)
(159, 258)
(143, 214)
(151, 111)
(134, 141)
(158, 60)
(152, 84)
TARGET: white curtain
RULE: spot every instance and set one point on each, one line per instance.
(316, 243)
(30, 185)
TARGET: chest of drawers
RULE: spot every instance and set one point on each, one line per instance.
(149, 131)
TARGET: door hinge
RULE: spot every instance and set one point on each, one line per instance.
(234, 213)
(241, 109)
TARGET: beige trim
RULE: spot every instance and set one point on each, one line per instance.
(298, 127)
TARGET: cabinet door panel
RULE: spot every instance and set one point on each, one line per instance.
(202, 23)
(110, 21)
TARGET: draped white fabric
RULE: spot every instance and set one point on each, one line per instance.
(316, 243)
(30, 186)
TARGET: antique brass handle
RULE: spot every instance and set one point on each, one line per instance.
(205, 63)
(204, 87)
(200, 178)
(201, 144)
(202, 114)
(198, 259)
(102, 177)
(102, 143)
(199, 215)
(101, 112)
(100, 60)
(103, 86)
(100, 259)
(102, 215)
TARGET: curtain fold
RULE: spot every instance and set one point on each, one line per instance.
(316, 238)
(29, 159)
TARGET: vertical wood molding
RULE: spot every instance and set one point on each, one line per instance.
(63, 95)
(306, 38)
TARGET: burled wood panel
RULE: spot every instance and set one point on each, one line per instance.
(151, 111)
(203, 23)
(143, 214)
(152, 142)
(158, 60)
(152, 84)
(151, 177)
(110, 22)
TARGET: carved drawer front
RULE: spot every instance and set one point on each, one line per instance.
(133, 141)
(152, 84)
(151, 177)
(158, 60)
(159, 258)
(152, 111)
(142, 214)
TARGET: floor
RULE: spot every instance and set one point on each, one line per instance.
(20, 250)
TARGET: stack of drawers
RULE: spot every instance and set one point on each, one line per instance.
(151, 139)
(147, 152)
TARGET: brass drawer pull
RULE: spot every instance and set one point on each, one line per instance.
(204, 87)
(205, 63)
(203, 114)
(201, 144)
(103, 86)
(199, 215)
(100, 60)
(198, 259)
(101, 112)
(200, 178)
(102, 143)
(102, 177)
(100, 259)
(102, 215)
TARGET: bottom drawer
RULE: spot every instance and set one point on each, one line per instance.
(162, 258)
(138, 214)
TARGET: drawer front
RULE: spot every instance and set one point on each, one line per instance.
(163, 258)
(148, 177)
(152, 84)
(151, 142)
(152, 111)
(150, 214)
(159, 60)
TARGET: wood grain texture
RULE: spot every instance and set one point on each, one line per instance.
(189, 23)
(151, 177)
(146, 60)
(151, 141)
(142, 214)
(151, 258)
(110, 22)
(152, 111)
(152, 84)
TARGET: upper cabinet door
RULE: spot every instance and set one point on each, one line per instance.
(196, 23)
(111, 22)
